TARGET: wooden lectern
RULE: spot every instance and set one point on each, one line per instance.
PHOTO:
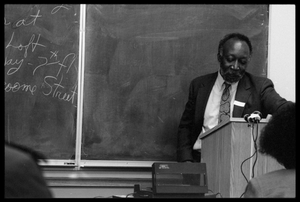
(225, 147)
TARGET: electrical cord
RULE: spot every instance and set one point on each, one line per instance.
(138, 193)
(130, 194)
(254, 153)
(216, 193)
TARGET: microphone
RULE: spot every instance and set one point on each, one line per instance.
(255, 117)
(246, 117)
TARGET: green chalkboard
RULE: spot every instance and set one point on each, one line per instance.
(140, 60)
(41, 71)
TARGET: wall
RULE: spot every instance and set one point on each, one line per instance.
(281, 67)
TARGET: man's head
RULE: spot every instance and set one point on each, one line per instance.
(234, 54)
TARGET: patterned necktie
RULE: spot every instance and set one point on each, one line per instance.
(224, 113)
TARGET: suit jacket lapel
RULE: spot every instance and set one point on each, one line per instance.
(204, 92)
(242, 95)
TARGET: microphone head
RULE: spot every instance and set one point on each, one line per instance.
(246, 117)
(255, 117)
(258, 113)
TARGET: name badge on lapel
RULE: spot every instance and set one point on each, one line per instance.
(239, 104)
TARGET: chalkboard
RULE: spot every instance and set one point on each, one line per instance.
(139, 62)
(41, 71)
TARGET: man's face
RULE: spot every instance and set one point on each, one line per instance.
(234, 59)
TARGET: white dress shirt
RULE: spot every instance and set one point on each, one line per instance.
(211, 114)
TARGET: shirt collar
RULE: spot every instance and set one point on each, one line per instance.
(220, 82)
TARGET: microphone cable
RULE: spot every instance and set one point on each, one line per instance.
(255, 153)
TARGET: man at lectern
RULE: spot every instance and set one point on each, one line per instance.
(231, 91)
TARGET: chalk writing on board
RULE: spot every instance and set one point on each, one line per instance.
(32, 54)
(27, 22)
(57, 8)
(20, 47)
(41, 44)
(9, 87)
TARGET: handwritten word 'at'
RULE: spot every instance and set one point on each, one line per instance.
(30, 20)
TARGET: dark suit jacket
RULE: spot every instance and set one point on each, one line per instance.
(257, 93)
(23, 178)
